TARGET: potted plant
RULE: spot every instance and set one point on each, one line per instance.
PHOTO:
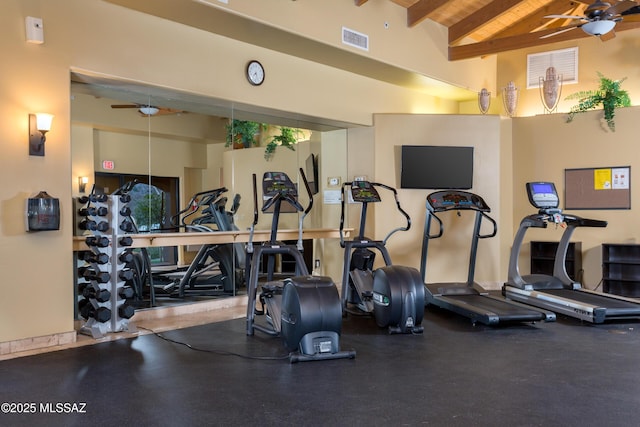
(242, 133)
(608, 94)
(288, 137)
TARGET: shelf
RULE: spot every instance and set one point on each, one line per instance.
(621, 269)
(543, 255)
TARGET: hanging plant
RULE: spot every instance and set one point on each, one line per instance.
(242, 133)
(288, 137)
(608, 94)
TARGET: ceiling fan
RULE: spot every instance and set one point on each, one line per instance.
(148, 110)
(600, 18)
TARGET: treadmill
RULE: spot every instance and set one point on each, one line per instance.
(558, 292)
(469, 299)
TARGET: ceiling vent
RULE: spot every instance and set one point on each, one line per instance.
(565, 61)
(355, 39)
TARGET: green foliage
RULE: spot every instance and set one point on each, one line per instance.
(608, 94)
(288, 137)
(243, 131)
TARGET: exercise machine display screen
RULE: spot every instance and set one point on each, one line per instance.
(364, 192)
(452, 199)
(274, 183)
(543, 195)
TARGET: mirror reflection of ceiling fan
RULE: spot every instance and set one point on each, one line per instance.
(600, 18)
(149, 110)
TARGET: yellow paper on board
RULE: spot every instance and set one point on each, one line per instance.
(602, 179)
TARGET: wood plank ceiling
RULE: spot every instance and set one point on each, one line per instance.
(485, 27)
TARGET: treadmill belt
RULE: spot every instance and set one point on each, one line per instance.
(612, 306)
(493, 306)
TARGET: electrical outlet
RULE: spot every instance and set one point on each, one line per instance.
(317, 264)
(360, 178)
(333, 181)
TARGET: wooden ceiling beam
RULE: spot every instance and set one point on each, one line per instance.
(494, 46)
(421, 10)
(537, 19)
(479, 18)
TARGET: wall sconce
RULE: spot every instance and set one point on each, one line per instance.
(39, 125)
(82, 183)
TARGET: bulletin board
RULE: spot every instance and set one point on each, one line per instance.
(598, 188)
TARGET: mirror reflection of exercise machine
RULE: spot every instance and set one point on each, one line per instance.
(304, 310)
(558, 292)
(216, 269)
(469, 298)
(393, 294)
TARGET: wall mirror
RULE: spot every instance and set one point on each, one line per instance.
(181, 159)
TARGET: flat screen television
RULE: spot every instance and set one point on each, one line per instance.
(436, 167)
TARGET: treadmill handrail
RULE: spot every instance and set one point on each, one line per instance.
(495, 227)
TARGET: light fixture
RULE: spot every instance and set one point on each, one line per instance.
(149, 110)
(39, 125)
(82, 183)
(598, 28)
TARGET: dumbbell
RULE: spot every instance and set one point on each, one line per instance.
(93, 198)
(93, 211)
(125, 275)
(87, 310)
(126, 241)
(98, 276)
(126, 257)
(99, 241)
(97, 258)
(127, 226)
(100, 295)
(126, 292)
(125, 198)
(126, 311)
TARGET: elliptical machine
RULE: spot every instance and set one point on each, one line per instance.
(217, 268)
(394, 294)
(304, 310)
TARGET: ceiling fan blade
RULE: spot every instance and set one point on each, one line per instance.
(620, 7)
(562, 30)
(565, 17)
(125, 106)
(608, 36)
(631, 14)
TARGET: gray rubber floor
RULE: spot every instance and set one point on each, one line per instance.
(565, 373)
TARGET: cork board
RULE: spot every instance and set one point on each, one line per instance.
(598, 188)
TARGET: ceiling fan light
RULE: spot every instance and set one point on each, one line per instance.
(598, 28)
(149, 111)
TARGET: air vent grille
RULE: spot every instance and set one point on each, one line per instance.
(355, 39)
(565, 61)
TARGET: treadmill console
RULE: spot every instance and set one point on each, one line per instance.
(543, 195)
(364, 192)
(454, 199)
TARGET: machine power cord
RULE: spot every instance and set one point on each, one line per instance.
(213, 351)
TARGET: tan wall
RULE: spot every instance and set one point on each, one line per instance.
(544, 146)
(448, 256)
(616, 59)
(127, 45)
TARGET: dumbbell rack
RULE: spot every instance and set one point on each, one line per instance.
(103, 271)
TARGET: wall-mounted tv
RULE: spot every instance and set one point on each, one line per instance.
(436, 167)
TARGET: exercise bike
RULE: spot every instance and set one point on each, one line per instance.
(304, 310)
(394, 294)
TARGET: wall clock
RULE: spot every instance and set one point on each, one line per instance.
(255, 73)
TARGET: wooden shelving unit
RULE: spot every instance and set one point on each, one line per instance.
(543, 255)
(621, 269)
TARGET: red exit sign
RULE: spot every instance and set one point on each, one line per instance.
(108, 165)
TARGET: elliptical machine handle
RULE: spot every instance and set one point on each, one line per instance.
(255, 216)
(341, 229)
(306, 211)
(402, 211)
